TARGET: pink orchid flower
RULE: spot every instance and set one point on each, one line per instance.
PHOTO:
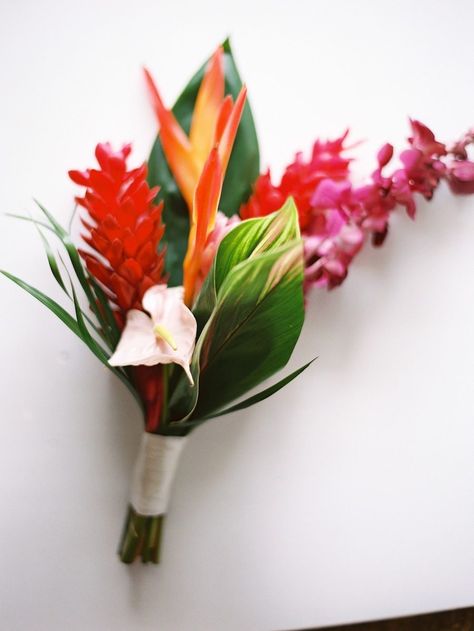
(166, 334)
(460, 176)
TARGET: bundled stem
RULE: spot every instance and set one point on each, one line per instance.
(141, 538)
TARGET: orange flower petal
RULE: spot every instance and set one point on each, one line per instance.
(226, 140)
(224, 114)
(206, 202)
(176, 145)
(207, 107)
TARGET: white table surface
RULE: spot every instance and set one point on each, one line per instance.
(348, 496)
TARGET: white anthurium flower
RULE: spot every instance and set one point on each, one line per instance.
(166, 336)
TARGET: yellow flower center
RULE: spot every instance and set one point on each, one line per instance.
(161, 331)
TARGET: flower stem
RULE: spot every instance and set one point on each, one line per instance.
(141, 538)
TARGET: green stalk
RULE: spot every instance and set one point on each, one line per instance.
(141, 537)
(165, 393)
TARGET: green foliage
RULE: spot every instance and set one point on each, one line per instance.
(262, 395)
(105, 329)
(247, 240)
(250, 312)
(243, 169)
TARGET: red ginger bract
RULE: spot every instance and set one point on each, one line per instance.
(299, 181)
(124, 227)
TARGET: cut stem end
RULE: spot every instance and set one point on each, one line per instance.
(141, 538)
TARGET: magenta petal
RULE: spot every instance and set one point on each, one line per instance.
(424, 140)
(353, 236)
(335, 267)
(410, 158)
(463, 170)
(385, 154)
(461, 177)
(335, 221)
(330, 194)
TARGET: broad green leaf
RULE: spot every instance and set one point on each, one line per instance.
(254, 327)
(261, 396)
(187, 426)
(250, 335)
(248, 239)
(248, 243)
(243, 169)
(256, 236)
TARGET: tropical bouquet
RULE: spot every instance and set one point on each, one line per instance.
(190, 280)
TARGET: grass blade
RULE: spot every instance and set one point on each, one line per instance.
(78, 329)
(52, 305)
(53, 266)
(76, 263)
(26, 218)
(109, 318)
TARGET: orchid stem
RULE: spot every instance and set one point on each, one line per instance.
(141, 538)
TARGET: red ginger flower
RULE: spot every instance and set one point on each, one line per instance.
(299, 181)
(124, 227)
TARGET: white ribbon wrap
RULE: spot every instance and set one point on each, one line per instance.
(154, 473)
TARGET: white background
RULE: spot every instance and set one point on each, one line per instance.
(348, 496)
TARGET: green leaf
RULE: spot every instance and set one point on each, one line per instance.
(56, 226)
(109, 318)
(53, 266)
(85, 335)
(248, 239)
(249, 313)
(98, 302)
(261, 396)
(244, 164)
(253, 328)
(52, 305)
(77, 327)
(242, 171)
(26, 218)
(250, 335)
(108, 329)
